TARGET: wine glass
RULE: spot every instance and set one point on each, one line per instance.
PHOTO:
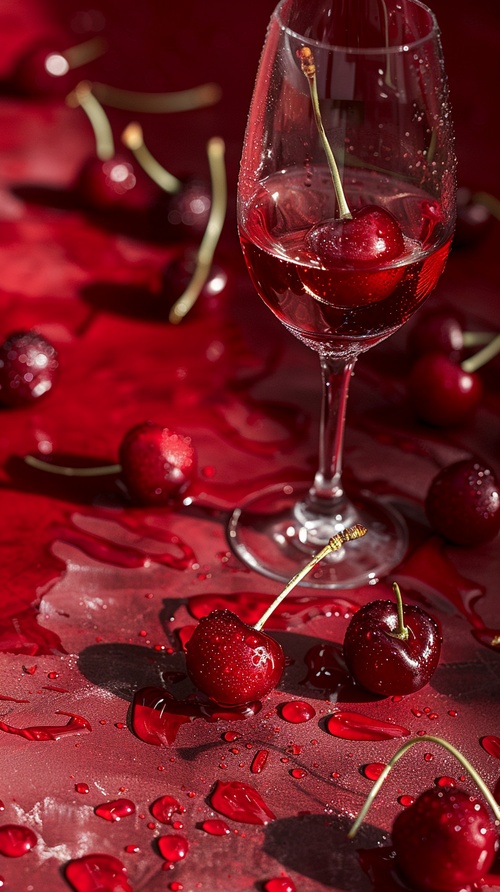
(346, 208)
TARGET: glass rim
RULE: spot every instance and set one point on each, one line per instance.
(364, 51)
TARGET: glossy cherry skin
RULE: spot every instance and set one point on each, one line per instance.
(358, 253)
(28, 368)
(43, 71)
(383, 663)
(371, 237)
(183, 214)
(445, 841)
(463, 503)
(473, 220)
(442, 393)
(178, 274)
(158, 464)
(439, 330)
(231, 662)
(111, 184)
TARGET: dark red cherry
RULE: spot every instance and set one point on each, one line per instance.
(386, 661)
(372, 237)
(445, 841)
(463, 503)
(438, 330)
(442, 393)
(158, 464)
(474, 219)
(43, 71)
(28, 368)
(355, 256)
(179, 272)
(109, 184)
(185, 213)
(231, 662)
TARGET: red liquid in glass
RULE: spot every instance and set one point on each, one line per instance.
(349, 308)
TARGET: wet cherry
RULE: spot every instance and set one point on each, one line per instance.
(445, 841)
(231, 662)
(463, 503)
(234, 663)
(157, 463)
(370, 237)
(389, 651)
(47, 70)
(474, 219)
(28, 368)
(442, 392)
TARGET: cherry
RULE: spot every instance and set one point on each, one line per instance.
(443, 393)
(370, 237)
(46, 70)
(439, 330)
(390, 653)
(157, 463)
(446, 840)
(28, 368)
(183, 213)
(463, 503)
(104, 184)
(474, 219)
(234, 663)
(178, 274)
(355, 254)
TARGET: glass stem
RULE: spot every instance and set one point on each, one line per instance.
(326, 492)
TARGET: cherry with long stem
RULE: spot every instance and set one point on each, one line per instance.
(425, 738)
(233, 663)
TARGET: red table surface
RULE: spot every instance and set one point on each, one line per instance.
(95, 591)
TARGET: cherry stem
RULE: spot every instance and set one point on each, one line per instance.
(402, 630)
(482, 357)
(83, 97)
(182, 100)
(206, 251)
(85, 52)
(133, 138)
(308, 67)
(427, 738)
(41, 465)
(336, 542)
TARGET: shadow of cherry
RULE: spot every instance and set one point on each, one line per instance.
(316, 846)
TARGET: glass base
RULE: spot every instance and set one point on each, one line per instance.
(275, 533)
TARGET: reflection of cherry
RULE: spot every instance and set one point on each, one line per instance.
(234, 663)
(388, 652)
(28, 367)
(446, 841)
(463, 503)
